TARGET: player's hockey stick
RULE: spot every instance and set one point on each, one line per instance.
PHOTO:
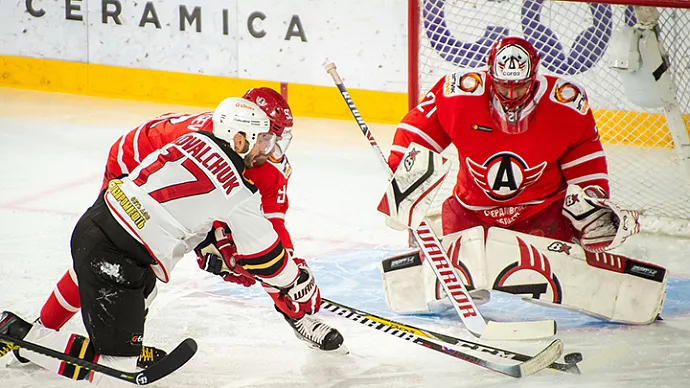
(438, 260)
(396, 327)
(527, 366)
(167, 365)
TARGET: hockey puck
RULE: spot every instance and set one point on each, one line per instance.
(572, 358)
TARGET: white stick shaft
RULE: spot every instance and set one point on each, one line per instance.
(433, 251)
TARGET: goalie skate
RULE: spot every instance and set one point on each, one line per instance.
(317, 334)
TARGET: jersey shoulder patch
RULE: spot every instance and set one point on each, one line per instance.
(571, 95)
(465, 83)
(282, 165)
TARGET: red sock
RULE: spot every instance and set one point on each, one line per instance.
(63, 303)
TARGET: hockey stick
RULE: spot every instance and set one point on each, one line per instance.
(528, 366)
(387, 324)
(438, 260)
(167, 365)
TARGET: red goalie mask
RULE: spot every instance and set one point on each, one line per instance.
(513, 66)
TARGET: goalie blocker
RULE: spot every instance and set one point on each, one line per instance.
(542, 270)
(412, 188)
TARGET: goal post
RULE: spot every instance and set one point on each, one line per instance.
(644, 126)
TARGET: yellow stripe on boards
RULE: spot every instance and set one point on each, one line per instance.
(189, 89)
(617, 127)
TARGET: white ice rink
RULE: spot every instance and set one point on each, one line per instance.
(52, 152)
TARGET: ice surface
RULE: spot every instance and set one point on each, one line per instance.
(52, 153)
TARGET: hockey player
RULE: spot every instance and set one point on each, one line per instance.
(270, 174)
(531, 164)
(143, 224)
(271, 181)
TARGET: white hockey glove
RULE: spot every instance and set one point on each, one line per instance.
(603, 224)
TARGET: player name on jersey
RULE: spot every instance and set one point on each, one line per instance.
(213, 162)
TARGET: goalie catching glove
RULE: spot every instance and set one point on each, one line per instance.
(216, 255)
(603, 224)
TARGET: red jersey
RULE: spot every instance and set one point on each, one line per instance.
(508, 176)
(269, 178)
(135, 145)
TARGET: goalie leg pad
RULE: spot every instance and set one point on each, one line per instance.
(404, 285)
(557, 273)
(467, 254)
(411, 287)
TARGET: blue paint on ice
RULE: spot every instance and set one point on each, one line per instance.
(352, 277)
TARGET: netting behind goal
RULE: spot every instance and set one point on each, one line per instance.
(574, 41)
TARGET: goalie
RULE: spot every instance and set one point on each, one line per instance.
(530, 212)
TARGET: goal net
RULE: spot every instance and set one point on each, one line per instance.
(648, 148)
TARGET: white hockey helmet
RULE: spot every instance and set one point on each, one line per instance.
(234, 115)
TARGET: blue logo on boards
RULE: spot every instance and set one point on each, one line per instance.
(587, 49)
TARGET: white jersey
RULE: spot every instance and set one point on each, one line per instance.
(171, 199)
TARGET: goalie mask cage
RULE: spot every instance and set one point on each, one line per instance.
(647, 148)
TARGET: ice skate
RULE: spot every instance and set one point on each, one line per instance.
(318, 334)
(13, 326)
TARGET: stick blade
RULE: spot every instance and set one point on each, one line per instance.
(519, 330)
(543, 359)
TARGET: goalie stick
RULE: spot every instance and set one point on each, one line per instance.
(527, 366)
(170, 363)
(438, 260)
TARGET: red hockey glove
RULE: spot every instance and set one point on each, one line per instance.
(301, 297)
(219, 258)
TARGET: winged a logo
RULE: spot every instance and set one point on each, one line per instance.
(504, 175)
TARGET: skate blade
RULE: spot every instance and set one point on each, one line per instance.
(341, 351)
